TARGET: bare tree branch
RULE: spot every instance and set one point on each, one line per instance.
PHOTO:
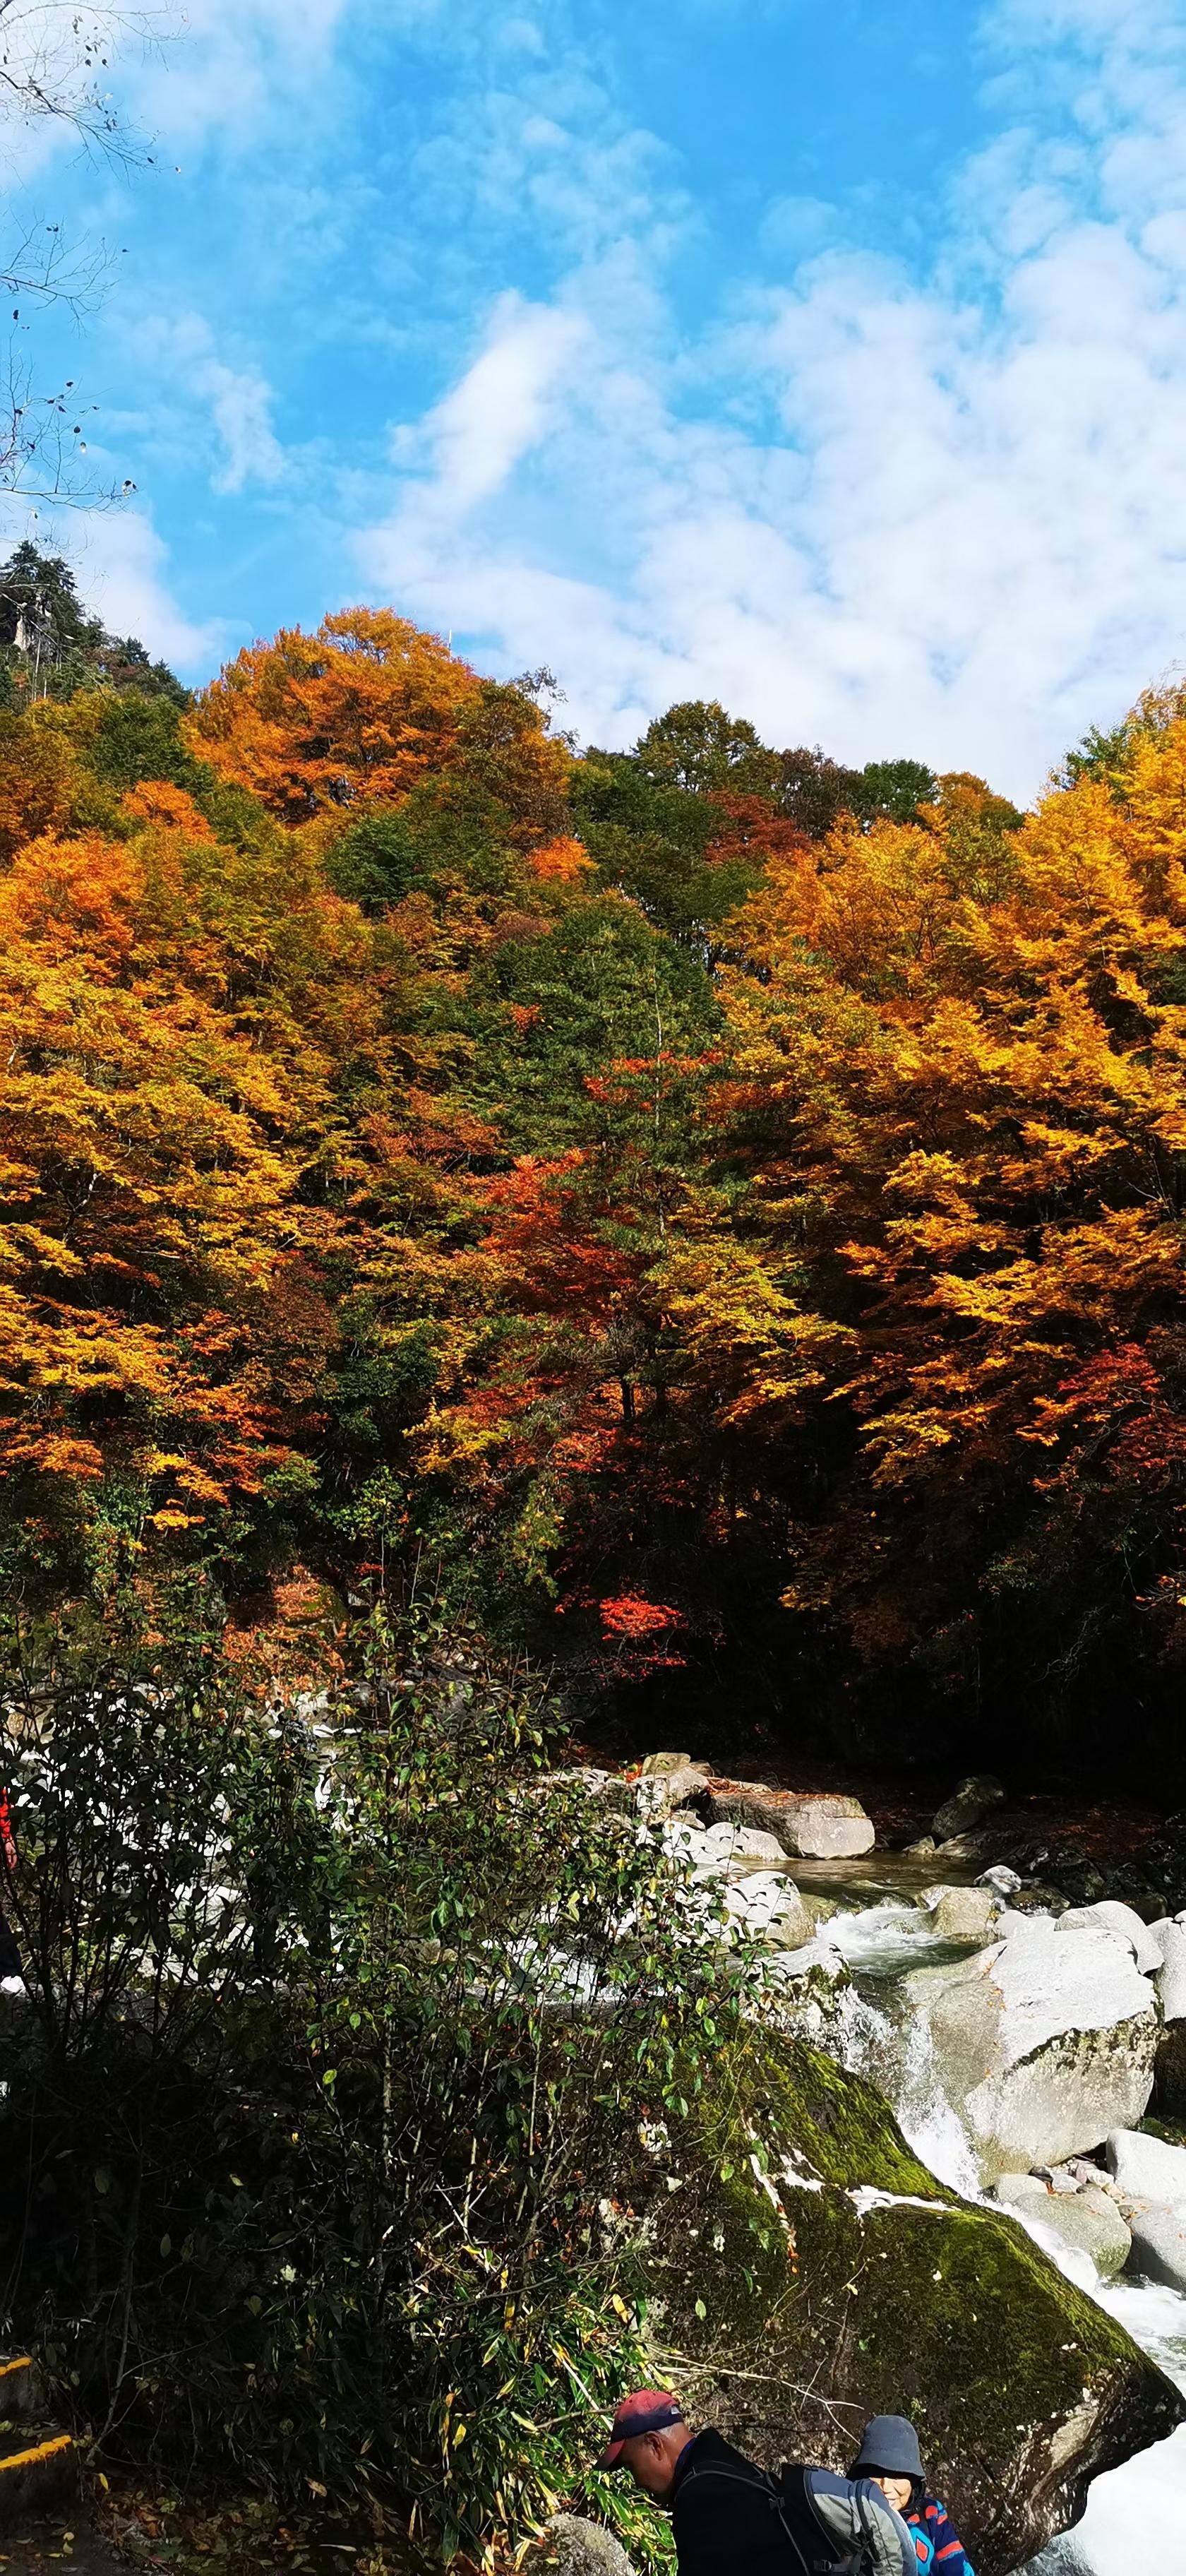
(53, 58)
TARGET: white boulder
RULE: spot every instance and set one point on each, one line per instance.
(1150, 2177)
(772, 1904)
(668, 1781)
(724, 1851)
(1170, 1936)
(814, 1954)
(1122, 1920)
(962, 1913)
(808, 1825)
(1145, 2168)
(1011, 1920)
(826, 1828)
(751, 1872)
(1006, 1881)
(745, 1843)
(1042, 2043)
(1159, 2243)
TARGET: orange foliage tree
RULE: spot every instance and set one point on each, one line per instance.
(403, 1145)
(960, 1083)
(368, 709)
(176, 1023)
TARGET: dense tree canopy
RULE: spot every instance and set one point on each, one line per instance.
(722, 1209)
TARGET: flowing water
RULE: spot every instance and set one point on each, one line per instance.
(1136, 2516)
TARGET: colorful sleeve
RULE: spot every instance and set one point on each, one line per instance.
(950, 2556)
(924, 2547)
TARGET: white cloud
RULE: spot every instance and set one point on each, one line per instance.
(960, 530)
(122, 570)
(241, 445)
(1139, 24)
(240, 404)
(501, 409)
(229, 63)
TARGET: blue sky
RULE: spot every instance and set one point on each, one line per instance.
(826, 356)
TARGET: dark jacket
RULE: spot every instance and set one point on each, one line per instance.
(726, 2520)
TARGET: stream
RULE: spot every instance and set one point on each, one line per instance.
(1136, 2516)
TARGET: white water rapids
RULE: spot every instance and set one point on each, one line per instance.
(1136, 2516)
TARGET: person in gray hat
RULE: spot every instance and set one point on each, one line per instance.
(890, 2456)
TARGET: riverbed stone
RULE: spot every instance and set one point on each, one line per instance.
(1004, 1881)
(1159, 2243)
(830, 1829)
(673, 1782)
(1040, 1900)
(790, 2269)
(816, 1961)
(724, 1851)
(974, 1799)
(820, 1908)
(1085, 2219)
(962, 1913)
(745, 1843)
(569, 2545)
(1150, 2177)
(809, 1825)
(1170, 1938)
(970, 1847)
(1146, 2168)
(1121, 1919)
(1042, 2043)
(768, 1902)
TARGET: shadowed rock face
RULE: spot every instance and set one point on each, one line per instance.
(838, 2280)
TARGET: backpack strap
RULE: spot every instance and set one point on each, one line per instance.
(864, 2561)
(863, 2515)
(802, 2477)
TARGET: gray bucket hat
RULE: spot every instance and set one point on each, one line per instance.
(889, 2443)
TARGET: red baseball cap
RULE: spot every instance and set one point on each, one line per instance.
(646, 2410)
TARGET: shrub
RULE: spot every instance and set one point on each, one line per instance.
(339, 2017)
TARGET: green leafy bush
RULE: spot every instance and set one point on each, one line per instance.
(339, 2015)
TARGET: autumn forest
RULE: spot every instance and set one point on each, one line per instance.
(710, 1217)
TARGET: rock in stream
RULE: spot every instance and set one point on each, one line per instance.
(1045, 2041)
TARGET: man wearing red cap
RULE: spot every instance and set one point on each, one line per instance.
(732, 2519)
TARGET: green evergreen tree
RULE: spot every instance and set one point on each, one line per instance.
(50, 646)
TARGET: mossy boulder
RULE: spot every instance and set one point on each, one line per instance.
(803, 2270)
